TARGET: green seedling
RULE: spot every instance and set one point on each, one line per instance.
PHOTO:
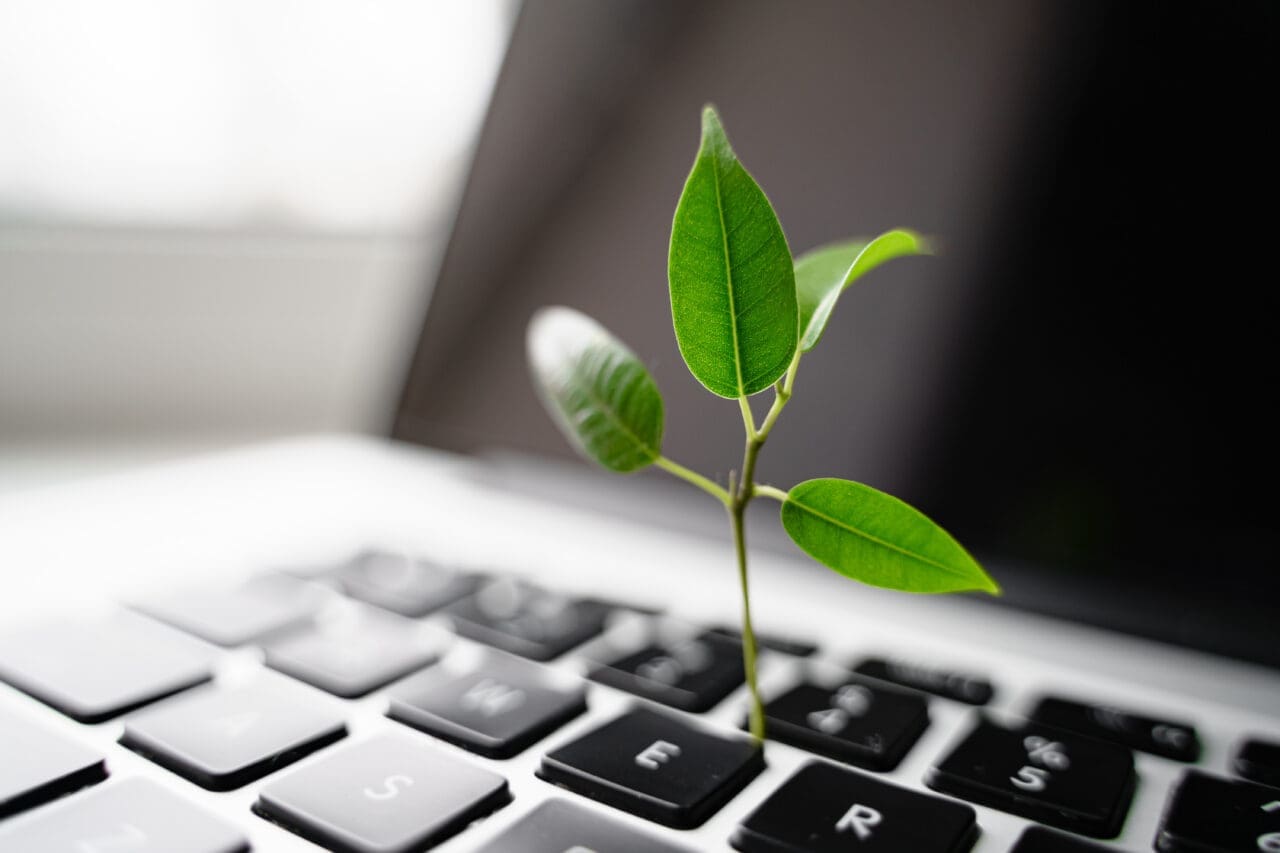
(745, 313)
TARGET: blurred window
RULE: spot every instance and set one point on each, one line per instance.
(318, 115)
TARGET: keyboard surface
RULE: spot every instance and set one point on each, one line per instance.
(404, 685)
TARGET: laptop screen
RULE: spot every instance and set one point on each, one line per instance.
(1074, 387)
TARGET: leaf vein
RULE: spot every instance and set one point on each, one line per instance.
(877, 540)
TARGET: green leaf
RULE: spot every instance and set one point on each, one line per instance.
(875, 538)
(596, 390)
(733, 297)
(824, 273)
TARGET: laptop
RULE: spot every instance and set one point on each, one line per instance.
(458, 638)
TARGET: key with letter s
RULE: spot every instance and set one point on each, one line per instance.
(390, 793)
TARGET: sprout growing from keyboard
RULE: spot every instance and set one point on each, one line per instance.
(745, 313)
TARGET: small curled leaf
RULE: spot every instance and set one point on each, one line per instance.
(823, 274)
(595, 389)
(878, 539)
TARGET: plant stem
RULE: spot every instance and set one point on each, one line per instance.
(760, 490)
(693, 477)
(748, 420)
(756, 712)
(741, 496)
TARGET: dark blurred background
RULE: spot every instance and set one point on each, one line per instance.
(1075, 386)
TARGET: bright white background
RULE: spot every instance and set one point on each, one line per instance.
(219, 220)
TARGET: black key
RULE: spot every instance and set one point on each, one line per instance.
(1258, 760)
(558, 826)
(827, 809)
(527, 621)
(692, 676)
(949, 684)
(264, 606)
(1207, 814)
(37, 765)
(496, 706)
(1050, 775)
(224, 738)
(92, 672)
(857, 722)
(357, 651)
(1159, 737)
(1037, 839)
(395, 792)
(656, 766)
(772, 642)
(398, 582)
(134, 815)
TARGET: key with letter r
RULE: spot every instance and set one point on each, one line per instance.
(828, 809)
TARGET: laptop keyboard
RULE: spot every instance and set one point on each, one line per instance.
(610, 705)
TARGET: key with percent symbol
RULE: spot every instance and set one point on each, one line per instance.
(1055, 777)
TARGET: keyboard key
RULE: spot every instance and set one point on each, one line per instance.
(398, 582)
(656, 766)
(1207, 814)
(354, 651)
(134, 815)
(949, 684)
(1050, 775)
(1037, 839)
(558, 826)
(827, 809)
(224, 738)
(264, 606)
(526, 620)
(492, 704)
(857, 722)
(37, 765)
(1159, 737)
(693, 675)
(772, 642)
(92, 672)
(394, 792)
(1258, 760)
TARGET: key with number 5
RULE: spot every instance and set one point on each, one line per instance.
(390, 793)
(1050, 775)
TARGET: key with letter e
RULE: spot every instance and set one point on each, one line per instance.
(656, 766)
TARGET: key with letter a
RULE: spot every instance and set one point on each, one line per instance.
(222, 738)
(828, 809)
(393, 792)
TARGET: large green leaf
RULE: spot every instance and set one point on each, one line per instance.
(596, 390)
(824, 273)
(875, 538)
(733, 298)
